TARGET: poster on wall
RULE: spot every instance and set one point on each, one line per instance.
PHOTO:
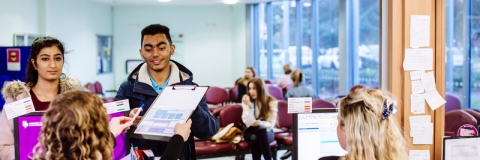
(104, 54)
(13, 59)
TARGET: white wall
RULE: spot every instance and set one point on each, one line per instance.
(77, 23)
(240, 39)
(17, 16)
(213, 42)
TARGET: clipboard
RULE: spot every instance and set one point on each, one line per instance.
(175, 104)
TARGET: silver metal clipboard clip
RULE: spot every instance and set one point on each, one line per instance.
(184, 88)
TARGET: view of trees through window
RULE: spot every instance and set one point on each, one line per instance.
(462, 48)
(285, 41)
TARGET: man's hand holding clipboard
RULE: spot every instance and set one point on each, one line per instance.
(175, 104)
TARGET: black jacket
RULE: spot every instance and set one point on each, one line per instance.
(204, 125)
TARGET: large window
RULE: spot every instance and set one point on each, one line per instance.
(463, 52)
(262, 41)
(307, 35)
(306, 41)
(328, 53)
(368, 46)
(284, 26)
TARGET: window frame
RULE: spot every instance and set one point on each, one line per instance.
(348, 45)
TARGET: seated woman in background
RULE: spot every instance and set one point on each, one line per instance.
(368, 129)
(285, 81)
(76, 127)
(242, 83)
(260, 116)
(299, 89)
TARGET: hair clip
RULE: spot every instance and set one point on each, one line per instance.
(389, 107)
(385, 110)
(393, 108)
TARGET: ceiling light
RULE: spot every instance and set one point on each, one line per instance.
(230, 1)
(307, 4)
(293, 4)
(164, 0)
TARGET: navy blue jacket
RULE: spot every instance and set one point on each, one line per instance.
(204, 125)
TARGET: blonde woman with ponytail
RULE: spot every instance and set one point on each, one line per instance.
(299, 89)
(368, 129)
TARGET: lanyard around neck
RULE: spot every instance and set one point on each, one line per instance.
(255, 110)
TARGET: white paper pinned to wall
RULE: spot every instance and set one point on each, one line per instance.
(418, 59)
(434, 99)
(424, 139)
(420, 119)
(417, 87)
(415, 75)
(419, 31)
(417, 103)
(421, 129)
(419, 155)
(428, 82)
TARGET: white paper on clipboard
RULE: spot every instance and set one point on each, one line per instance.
(173, 105)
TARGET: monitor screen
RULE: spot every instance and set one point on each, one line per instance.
(317, 135)
(461, 148)
(28, 128)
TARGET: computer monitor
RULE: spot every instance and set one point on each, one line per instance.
(315, 134)
(28, 127)
(464, 148)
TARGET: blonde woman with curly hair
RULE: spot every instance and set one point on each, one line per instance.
(368, 129)
(76, 127)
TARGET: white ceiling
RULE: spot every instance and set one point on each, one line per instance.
(176, 2)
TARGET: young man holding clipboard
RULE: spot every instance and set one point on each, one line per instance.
(150, 78)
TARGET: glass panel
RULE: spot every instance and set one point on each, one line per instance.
(328, 55)
(283, 36)
(368, 49)
(292, 48)
(30, 40)
(262, 28)
(19, 40)
(474, 19)
(455, 50)
(307, 41)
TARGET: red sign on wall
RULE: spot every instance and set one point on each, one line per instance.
(13, 59)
